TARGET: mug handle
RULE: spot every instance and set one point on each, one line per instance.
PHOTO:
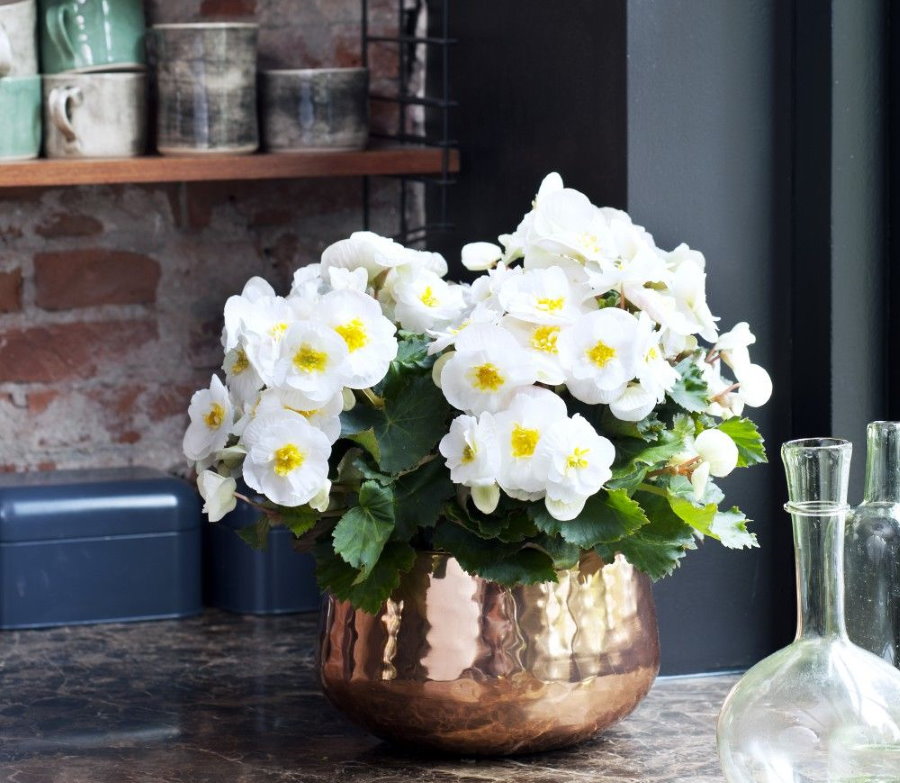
(55, 20)
(58, 104)
(5, 52)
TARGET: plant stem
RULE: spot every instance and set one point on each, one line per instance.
(653, 490)
(374, 400)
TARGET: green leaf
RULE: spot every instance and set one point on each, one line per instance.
(342, 580)
(507, 564)
(730, 527)
(647, 429)
(690, 390)
(415, 414)
(367, 440)
(699, 517)
(419, 496)
(634, 458)
(658, 546)
(563, 554)
(257, 534)
(359, 418)
(608, 516)
(750, 445)
(363, 530)
(412, 351)
(299, 520)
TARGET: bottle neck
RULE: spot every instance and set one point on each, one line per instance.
(819, 559)
(882, 463)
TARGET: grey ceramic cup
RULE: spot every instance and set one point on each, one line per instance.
(18, 38)
(315, 109)
(20, 117)
(206, 83)
(95, 115)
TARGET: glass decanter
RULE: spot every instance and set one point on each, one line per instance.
(821, 709)
(872, 549)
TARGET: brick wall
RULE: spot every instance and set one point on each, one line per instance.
(111, 297)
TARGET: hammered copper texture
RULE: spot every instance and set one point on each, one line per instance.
(457, 664)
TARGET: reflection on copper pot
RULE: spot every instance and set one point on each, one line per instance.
(458, 664)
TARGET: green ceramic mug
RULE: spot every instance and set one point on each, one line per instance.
(91, 35)
(20, 117)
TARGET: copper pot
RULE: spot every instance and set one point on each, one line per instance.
(458, 664)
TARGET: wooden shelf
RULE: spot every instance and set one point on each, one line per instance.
(197, 168)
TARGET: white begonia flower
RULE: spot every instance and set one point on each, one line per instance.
(325, 418)
(211, 416)
(724, 400)
(218, 494)
(478, 256)
(307, 284)
(681, 306)
(544, 296)
(579, 463)
(655, 375)
(312, 360)
(566, 223)
(424, 301)
(263, 326)
(484, 291)
(531, 415)
(755, 384)
(486, 371)
(599, 353)
(365, 250)
(368, 335)
(347, 279)
(486, 498)
(444, 338)
(287, 458)
(634, 403)
(471, 451)
(539, 340)
(241, 377)
(438, 367)
(236, 307)
(718, 456)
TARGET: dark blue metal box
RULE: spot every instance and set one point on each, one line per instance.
(98, 546)
(275, 580)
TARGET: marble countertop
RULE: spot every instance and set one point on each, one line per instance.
(225, 697)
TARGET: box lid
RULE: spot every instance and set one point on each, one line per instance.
(88, 503)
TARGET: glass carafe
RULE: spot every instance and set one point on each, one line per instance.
(821, 709)
(872, 549)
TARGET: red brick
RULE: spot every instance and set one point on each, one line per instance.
(129, 436)
(84, 278)
(61, 352)
(11, 291)
(169, 401)
(227, 8)
(10, 232)
(69, 224)
(39, 401)
(273, 217)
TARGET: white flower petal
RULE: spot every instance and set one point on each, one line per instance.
(218, 493)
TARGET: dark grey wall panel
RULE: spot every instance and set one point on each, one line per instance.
(706, 165)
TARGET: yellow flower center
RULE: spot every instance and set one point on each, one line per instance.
(590, 242)
(576, 459)
(468, 454)
(544, 339)
(551, 305)
(523, 441)
(601, 353)
(486, 377)
(354, 334)
(241, 363)
(215, 416)
(305, 414)
(308, 359)
(287, 459)
(278, 330)
(652, 354)
(428, 298)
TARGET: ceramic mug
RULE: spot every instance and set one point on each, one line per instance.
(206, 88)
(315, 109)
(20, 117)
(18, 38)
(92, 35)
(95, 115)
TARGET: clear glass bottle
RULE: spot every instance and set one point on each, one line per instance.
(872, 549)
(821, 709)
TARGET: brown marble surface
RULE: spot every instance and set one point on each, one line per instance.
(224, 698)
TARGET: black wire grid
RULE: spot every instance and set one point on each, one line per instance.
(437, 110)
